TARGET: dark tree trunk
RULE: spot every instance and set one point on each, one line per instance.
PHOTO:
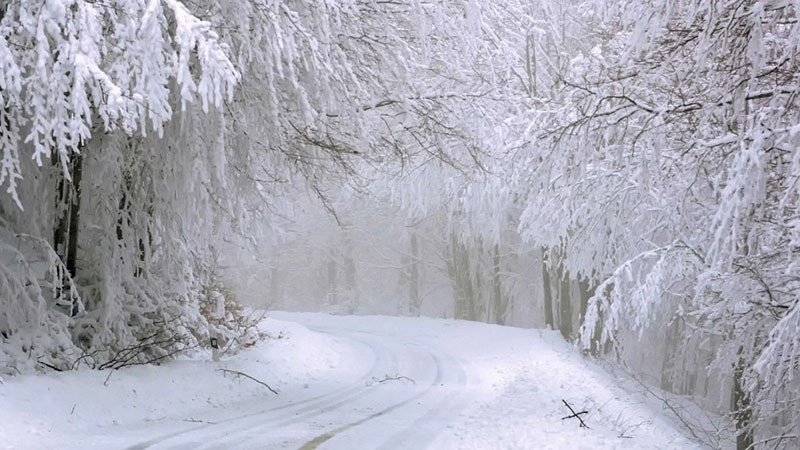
(67, 226)
(74, 215)
(62, 215)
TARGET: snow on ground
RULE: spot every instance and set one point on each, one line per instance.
(87, 408)
(518, 378)
(346, 382)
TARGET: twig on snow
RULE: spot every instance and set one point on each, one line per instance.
(576, 415)
(242, 374)
(386, 378)
(193, 420)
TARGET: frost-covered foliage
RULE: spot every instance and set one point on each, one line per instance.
(80, 80)
(68, 64)
(329, 84)
(139, 136)
(645, 151)
(30, 269)
(666, 168)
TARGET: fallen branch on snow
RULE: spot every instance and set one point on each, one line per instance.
(576, 415)
(193, 420)
(242, 374)
(386, 378)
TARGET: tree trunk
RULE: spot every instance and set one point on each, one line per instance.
(586, 292)
(498, 301)
(667, 361)
(349, 269)
(74, 214)
(464, 287)
(333, 297)
(60, 229)
(740, 405)
(548, 295)
(565, 300)
(65, 235)
(415, 302)
(530, 66)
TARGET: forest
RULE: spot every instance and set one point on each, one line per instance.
(626, 172)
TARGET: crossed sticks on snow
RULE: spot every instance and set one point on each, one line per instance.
(575, 415)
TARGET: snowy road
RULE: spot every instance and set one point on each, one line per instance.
(346, 383)
(376, 410)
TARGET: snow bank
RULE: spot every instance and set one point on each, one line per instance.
(68, 409)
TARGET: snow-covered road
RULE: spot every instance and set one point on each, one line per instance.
(345, 383)
(409, 392)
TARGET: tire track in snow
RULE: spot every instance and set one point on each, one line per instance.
(409, 424)
(382, 361)
(322, 438)
(425, 428)
(274, 428)
(245, 433)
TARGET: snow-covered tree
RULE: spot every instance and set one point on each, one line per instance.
(665, 172)
(139, 136)
(81, 84)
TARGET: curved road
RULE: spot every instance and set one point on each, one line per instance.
(373, 411)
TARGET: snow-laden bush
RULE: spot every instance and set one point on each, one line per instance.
(235, 325)
(38, 299)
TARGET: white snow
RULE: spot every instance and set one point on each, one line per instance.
(345, 382)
